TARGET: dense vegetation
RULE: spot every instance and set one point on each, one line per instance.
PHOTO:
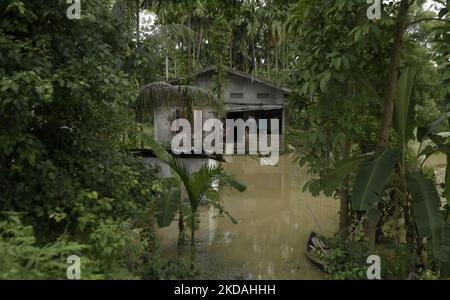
(370, 105)
(68, 183)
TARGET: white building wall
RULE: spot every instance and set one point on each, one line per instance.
(192, 164)
(164, 117)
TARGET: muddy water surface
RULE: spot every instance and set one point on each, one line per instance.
(274, 219)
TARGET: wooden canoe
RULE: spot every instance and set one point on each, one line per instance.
(314, 243)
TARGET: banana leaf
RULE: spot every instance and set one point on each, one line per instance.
(371, 179)
(426, 206)
(167, 206)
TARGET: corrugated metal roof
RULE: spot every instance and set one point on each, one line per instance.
(240, 74)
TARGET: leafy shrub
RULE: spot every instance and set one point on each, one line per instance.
(22, 258)
(158, 268)
(65, 127)
(398, 264)
(346, 258)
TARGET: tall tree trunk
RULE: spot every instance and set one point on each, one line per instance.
(167, 64)
(181, 226)
(344, 198)
(138, 33)
(138, 23)
(175, 61)
(388, 108)
(193, 56)
(193, 240)
(199, 49)
(255, 67)
(394, 66)
(231, 53)
(245, 58)
(283, 43)
(276, 63)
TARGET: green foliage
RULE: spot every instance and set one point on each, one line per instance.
(424, 132)
(334, 177)
(447, 181)
(426, 203)
(153, 95)
(404, 108)
(22, 258)
(65, 131)
(370, 181)
(198, 184)
(429, 218)
(397, 261)
(65, 92)
(167, 206)
(176, 269)
(346, 258)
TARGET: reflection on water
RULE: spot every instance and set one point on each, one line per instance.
(274, 219)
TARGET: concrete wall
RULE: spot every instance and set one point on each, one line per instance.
(250, 90)
(164, 116)
(238, 84)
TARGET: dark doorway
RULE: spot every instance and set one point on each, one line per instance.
(257, 115)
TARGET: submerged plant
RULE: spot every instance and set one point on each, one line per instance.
(198, 186)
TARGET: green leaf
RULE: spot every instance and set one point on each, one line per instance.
(235, 184)
(233, 220)
(326, 76)
(167, 207)
(335, 176)
(404, 107)
(371, 178)
(430, 150)
(159, 150)
(156, 94)
(444, 253)
(368, 88)
(443, 12)
(424, 132)
(426, 204)
(447, 179)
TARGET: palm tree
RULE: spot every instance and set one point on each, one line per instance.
(197, 185)
(129, 11)
(156, 94)
(162, 38)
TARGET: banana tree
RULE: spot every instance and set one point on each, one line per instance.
(197, 185)
(417, 190)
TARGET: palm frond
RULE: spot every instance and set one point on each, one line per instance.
(200, 97)
(201, 182)
(157, 94)
(168, 35)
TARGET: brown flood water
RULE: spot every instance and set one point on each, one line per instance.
(274, 219)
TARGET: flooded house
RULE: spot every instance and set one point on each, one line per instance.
(244, 97)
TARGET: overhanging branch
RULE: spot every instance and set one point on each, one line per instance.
(428, 19)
